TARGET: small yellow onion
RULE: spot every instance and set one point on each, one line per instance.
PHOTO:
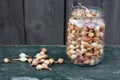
(42, 56)
(51, 60)
(88, 54)
(78, 50)
(101, 34)
(47, 62)
(85, 29)
(39, 67)
(97, 34)
(83, 50)
(86, 62)
(94, 44)
(72, 51)
(45, 66)
(95, 53)
(60, 61)
(92, 62)
(6, 60)
(34, 63)
(97, 29)
(95, 39)
(102, 28)
(23, 55)
(74, 42)
(89, 48)
(44, 49)
(101, 50)
(91, 35)
(73, 56)
(42, 52)
(38, 54)
(72, 46)
(42, 60)
(73, 31)
(85, 44)
(85, 38)
(84, 33)
(29, 60)
(99, 46)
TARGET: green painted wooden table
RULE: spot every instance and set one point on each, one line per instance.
(108, 69)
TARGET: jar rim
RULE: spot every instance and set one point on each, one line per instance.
(95, 8)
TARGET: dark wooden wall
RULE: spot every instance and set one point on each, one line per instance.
(43, 22)
(11, 22)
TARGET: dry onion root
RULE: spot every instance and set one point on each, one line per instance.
(22, 59)
(87, 10)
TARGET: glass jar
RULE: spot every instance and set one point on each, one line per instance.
(85, 35)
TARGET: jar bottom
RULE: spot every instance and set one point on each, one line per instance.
(87, 65)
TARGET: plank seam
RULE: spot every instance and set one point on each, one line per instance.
(25, 39)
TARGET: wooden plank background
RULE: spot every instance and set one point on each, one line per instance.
(43, 22)
(11, 22)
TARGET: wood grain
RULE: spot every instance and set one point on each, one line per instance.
(44, 21)
(112, 18)
(11, 22)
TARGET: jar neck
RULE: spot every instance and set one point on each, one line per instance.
(87, 12)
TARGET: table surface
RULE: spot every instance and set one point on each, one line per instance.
(108, 69)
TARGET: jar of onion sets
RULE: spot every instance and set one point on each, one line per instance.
(85, 35)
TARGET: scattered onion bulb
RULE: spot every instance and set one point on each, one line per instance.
(39, 67)
(42, 56)
(51, 60)
(23, 55)
(42, 60)
(38, 54)
(6, 60)
(42, 52)
(34, 63)
(44, 49)
(47, 62)
(45, 66)
(29, 60)
(60, 61)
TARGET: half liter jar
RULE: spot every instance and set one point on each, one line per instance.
(85, 35)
